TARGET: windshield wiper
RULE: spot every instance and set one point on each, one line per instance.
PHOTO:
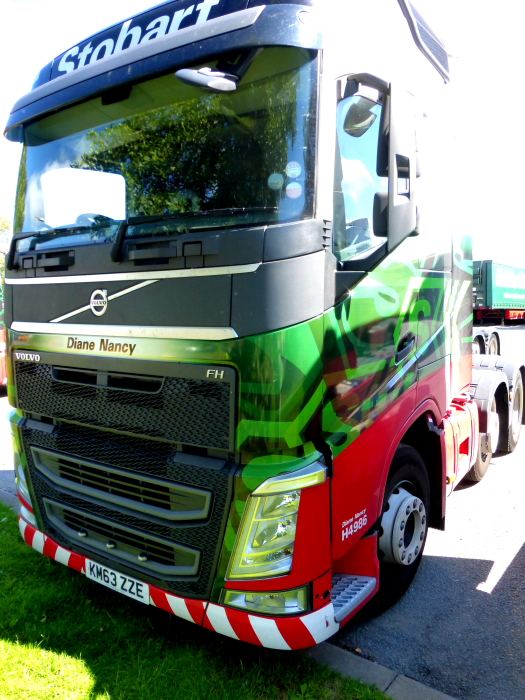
(116, 251)
(10, 259)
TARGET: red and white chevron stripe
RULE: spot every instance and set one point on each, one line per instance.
(272, 632)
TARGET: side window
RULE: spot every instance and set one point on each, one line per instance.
(356, 180)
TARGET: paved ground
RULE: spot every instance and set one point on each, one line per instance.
(461, 626)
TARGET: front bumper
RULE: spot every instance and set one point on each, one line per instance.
(287, 633)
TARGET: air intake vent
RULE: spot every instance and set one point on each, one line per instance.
(129, 545)
(101, 460)
(125, 488)
(183, 409)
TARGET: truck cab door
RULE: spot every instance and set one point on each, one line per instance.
(370, 346)
(374, 200)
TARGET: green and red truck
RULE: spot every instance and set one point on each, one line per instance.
(239, 317)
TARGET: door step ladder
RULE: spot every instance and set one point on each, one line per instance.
(348, 592)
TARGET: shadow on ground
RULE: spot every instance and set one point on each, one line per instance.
(459, 644)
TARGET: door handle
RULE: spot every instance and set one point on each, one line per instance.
(405, 347)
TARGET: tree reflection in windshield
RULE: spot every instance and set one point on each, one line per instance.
(180, 149)
(204, 153)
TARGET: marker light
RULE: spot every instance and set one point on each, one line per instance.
(28, 516)
(268, 602)
(266, 538)
(21, 481)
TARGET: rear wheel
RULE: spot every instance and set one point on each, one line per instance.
(404, 525)
(482, 463)
(515, 414)
(476, 347)
(493, 346)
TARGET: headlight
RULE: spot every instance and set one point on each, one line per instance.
(269, 603)
(266, 538)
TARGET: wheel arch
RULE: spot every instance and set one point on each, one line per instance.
(421, 433)
(502, 405)
(499, 374)
(480, 337)
(424, 436)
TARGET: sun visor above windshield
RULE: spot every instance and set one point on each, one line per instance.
(139, 52)
(160, 21)
(141, 57)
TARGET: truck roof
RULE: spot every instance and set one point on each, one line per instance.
(153, 23)
(173, 15)
(149, 43)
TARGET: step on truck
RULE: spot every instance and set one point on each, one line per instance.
(239, 321)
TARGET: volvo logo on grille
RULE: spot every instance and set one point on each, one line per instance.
(27, 357)
(99, 302)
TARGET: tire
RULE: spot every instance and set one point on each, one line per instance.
(493, 346)
(407, 484)
(480, 467)
(515, 415)
(476, 348)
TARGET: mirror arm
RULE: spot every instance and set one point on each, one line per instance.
(357, 79)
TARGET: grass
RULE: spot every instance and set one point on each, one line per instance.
(63, 637)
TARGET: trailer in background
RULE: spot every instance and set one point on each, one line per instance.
(498, 293)
(498, 299)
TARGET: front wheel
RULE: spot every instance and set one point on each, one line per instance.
(404, 525)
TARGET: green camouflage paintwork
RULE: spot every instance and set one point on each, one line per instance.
(330, 377)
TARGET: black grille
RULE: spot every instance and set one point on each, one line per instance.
(154, 496)
(184, 410)
(156, 555)
(153, 458)
(157, 551)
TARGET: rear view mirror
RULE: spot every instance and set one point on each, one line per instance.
(360, 117)
(208, 78)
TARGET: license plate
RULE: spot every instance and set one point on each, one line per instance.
(117, 581)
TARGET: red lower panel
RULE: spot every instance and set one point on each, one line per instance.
(361, 560)
(435, 386)
(322, 590)
(359, 475)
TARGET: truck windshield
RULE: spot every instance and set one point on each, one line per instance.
(163, 148)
